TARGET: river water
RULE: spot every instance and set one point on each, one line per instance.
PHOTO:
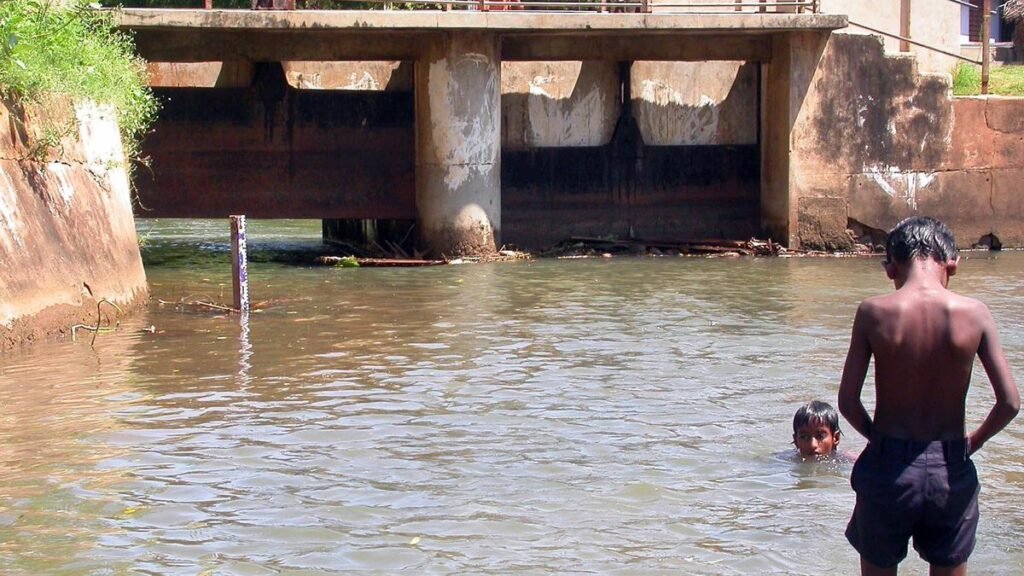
(604, 416)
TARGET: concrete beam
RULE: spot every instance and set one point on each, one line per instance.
(695, 47)
(180, 35)
(211, 45)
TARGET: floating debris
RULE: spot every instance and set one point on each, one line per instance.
(353, 262)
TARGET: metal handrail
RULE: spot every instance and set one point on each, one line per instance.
(911, 41)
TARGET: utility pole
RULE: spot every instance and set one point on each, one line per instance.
(986, 10)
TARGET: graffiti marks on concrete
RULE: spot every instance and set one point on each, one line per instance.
(465, 116)
(899, 185)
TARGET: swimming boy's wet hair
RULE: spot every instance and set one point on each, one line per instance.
(920, 237)
(814, 412)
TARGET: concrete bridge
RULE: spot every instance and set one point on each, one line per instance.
(457, 201)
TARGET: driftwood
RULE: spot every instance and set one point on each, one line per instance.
(378, 262)
(97, 328)
(752, 247)
(184, 303)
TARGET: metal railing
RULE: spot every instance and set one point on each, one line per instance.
(620, 6)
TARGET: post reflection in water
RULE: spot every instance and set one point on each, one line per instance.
(629, 416)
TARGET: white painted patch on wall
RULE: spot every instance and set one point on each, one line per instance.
(101, 141)
(682, 122)
(10, 225)
(575, 121)
(101, 138)
(465, 116)
(364, 82)
(899, 185)
(64, 186)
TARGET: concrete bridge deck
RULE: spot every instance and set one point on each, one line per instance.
(181, 35)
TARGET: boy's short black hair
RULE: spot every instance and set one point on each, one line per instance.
(816, 411)
(920, 237)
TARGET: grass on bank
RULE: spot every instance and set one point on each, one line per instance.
(1005, 80)
(73, 51)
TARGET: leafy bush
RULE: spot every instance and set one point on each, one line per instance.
(74, 51)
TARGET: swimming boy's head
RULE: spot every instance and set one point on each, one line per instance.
(920, 237)
(816, 429)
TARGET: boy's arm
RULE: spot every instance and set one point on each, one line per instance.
(1007, 397)
(856, 368)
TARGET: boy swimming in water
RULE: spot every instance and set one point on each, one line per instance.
(816, 430)
(915, 477)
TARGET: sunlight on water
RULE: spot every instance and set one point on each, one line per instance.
(629, 416)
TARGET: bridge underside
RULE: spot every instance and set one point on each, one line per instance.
(433, 153)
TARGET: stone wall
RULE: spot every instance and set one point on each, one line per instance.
(877, 141)
(67, 235)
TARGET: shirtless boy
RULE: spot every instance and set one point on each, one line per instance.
(915, 477)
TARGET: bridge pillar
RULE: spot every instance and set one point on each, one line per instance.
(458, 145)
(787, 94)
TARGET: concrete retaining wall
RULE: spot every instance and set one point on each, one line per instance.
(67, 235)
(877, 142)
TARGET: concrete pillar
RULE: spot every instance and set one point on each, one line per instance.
(458, 145)
(787, 93)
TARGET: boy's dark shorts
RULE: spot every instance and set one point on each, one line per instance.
(928, 490)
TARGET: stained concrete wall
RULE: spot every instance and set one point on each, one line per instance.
(696, 103)
(391, 76)
(875, 142)
(67, 235)
(270, 151)
(548, 104)
(557, 104)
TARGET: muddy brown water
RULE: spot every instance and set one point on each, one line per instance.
(623, 416)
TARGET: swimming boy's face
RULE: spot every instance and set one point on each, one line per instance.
(815, 439)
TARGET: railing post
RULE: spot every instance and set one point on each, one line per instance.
(645, 6)
(986, 9)
(208, 4)
(482, 5)
(904, 25)
(239, 265)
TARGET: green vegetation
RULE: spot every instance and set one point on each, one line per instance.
(1006, 80)
(48, 51)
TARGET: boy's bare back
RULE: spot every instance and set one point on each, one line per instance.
(923, 338)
